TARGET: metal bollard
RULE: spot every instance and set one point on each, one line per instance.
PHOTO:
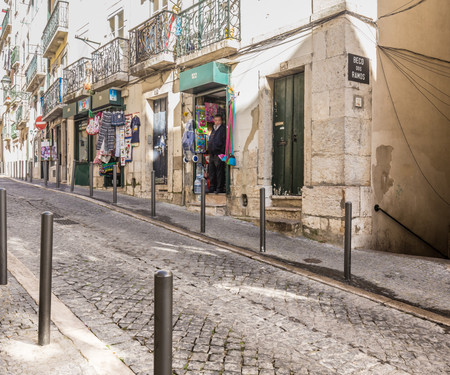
(203, 206)
(3, 240)
(115, 183)
(91, 179)
(348, 241)
(31, 171)
(46, 172)
(153, 213)
(162, 354)
(262, 220)
(26, 170)
(58, 176)
(45, 278)
(20, 170)
(72, 182)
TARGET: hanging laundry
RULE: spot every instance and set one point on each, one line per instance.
(135, 125)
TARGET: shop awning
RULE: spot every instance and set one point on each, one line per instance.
(205, 77)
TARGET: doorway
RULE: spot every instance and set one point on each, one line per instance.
(160, 140)
(288, 135)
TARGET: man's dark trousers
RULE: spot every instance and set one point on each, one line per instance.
(216, 170)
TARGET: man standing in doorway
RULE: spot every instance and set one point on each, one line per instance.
(216, 146)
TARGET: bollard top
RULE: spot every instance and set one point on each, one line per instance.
(163, 274)
(47, 213)
(2, 189)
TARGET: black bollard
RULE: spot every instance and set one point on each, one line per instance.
(91, 179)
(26, 170)
(3, 240)
(203, 206)
(153, 213)
(348, 241)
(262, 220)
(46, 172)
(115, 183)
(162, 354)
(31, 171)
(72, 181)
(58, 176)
(45, 278)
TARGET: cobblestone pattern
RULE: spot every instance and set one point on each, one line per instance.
(232, 315)
(19, 352)
(423, 282)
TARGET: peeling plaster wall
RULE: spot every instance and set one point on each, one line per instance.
(406, 188)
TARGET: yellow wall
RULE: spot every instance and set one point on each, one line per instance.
(410, 160)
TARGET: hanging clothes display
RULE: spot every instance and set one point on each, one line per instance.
(135, 125)
(107, 132)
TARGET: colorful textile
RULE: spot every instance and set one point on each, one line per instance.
(210, 111)
(117, 118)
(107, 133)
(135, 125)
(128, 131)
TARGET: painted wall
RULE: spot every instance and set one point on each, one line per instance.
(411, 129)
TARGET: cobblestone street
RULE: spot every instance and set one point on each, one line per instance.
(232, 315)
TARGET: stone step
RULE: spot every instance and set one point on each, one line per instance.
(288, 227)
(217, 199)
(210, 209)
(289, 213)
(287, 201)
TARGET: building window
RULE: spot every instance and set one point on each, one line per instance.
(116, 25)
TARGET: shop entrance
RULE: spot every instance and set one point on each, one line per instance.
(84, 152)
(160, 140)
(206, 106)
(288, 135)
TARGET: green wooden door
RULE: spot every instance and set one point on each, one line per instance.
(288, 135)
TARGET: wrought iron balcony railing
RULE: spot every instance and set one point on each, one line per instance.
(58, 18)
(76, 75)
(152, 37)
(13, 131)
(207, 22)
(52, 97)
(15, 56)
(5, 23)
(110, 59)
(36, 65)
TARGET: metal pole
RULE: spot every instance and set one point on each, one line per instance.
(163, 323)
(348, 241)
(58, 177)
(91, 179)
(203, 207)
(46, 172)
(45, 278)
(22, 176)
(31, 171)
(20, 169)
(153, 194)
(26, 170)
(3, 240)
(115, 183)
(262, 220)
(72, 182)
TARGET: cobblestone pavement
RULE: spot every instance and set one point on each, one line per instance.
(232, 315)
(423, 282)
(19, 352)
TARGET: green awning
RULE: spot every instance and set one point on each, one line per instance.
(204, 77)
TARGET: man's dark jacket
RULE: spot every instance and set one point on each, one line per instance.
(217, 141)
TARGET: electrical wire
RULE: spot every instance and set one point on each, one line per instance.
(438, 60)
(397, 11)
(404, 135)
(415, 84)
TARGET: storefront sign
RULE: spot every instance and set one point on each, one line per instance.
(358, 68)
(113, 95)
(205, 77)
(83, 105)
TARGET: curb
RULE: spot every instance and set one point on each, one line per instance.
(386, 301)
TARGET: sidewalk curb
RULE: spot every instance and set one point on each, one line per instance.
(95, 351)
(386, 301)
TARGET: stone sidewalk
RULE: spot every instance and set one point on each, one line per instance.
(419, 281)
(20, 353)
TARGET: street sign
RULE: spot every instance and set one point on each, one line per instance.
(358, 68)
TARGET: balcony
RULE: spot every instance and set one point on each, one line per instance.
(110, 64)
(6, 97)
(52, 104)
(208, 30)
(15, 57)
(5, 133)
(22, 116)
(56, 29)
(76, 76)
(152, 44)
(35, 73)
(6, 26)
(14, 95)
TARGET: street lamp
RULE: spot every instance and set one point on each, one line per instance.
(6, 82)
